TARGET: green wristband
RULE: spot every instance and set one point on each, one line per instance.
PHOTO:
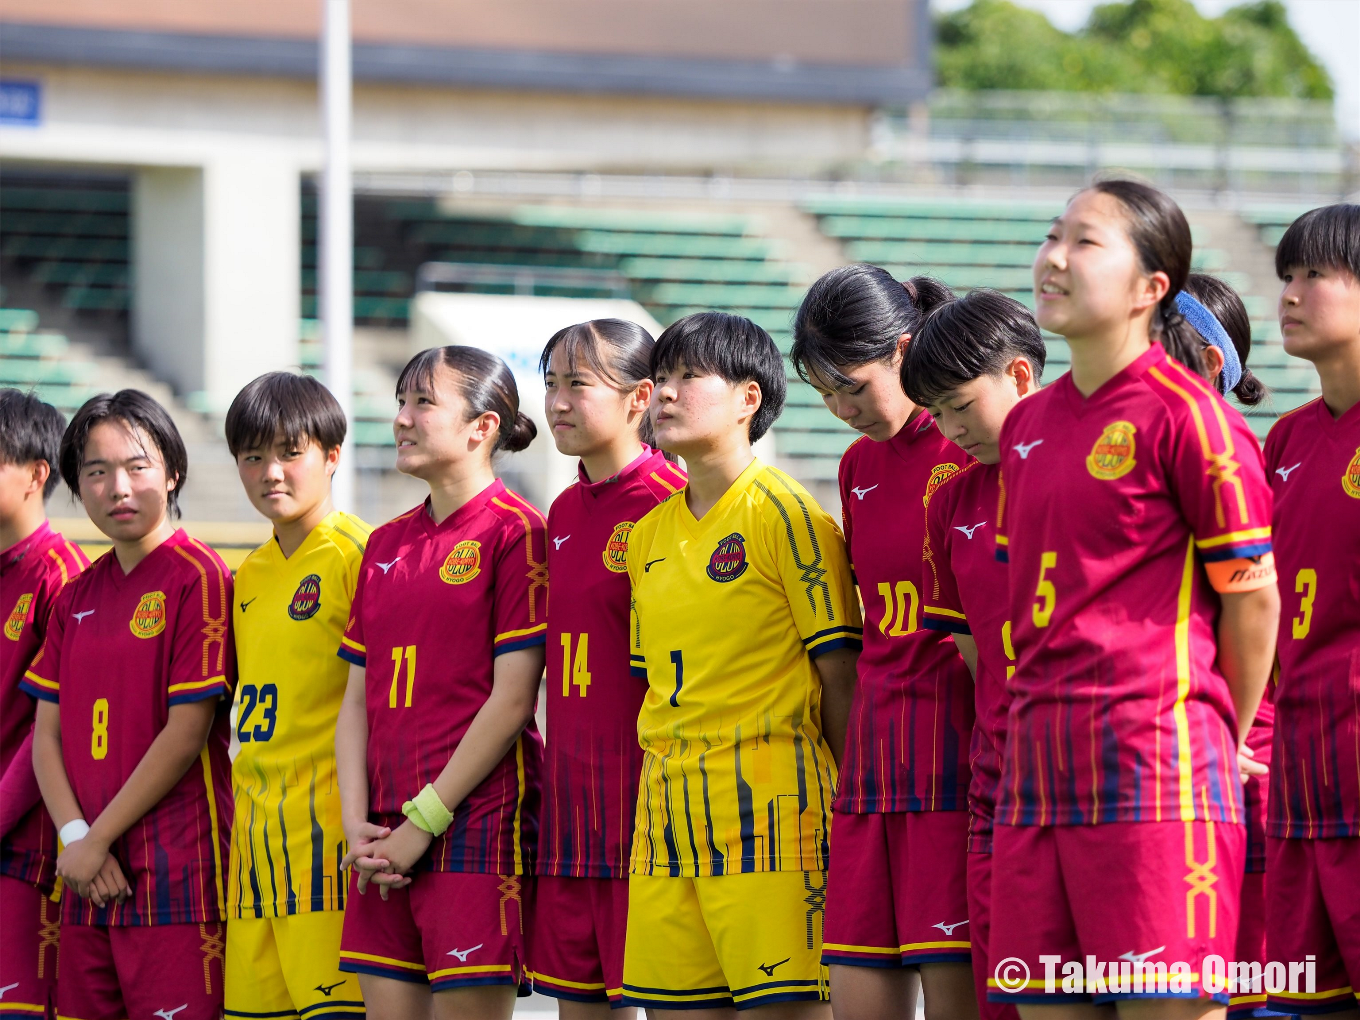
(427, 812)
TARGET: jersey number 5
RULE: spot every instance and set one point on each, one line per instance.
(578, 671)
(1047, 594)
(1305, 584)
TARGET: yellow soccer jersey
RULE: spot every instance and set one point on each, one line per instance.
(287, 841)
(728, 614)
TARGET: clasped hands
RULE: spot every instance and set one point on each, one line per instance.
(385, 856)
(91, 871)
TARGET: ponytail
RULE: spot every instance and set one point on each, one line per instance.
(1224, 304)
(857, 314)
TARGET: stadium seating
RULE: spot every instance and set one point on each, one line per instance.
(42, 362)
(70, 235)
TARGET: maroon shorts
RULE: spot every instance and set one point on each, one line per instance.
(111, 973)
(980, 928)
(897, 892)
(576, 940)
(1313, 909)
(1105, 902)
(1251, 945)
(28, 964)
(447, 929)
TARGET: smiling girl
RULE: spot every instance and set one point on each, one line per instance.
(1135, 519)
(896, 895)
(436, 748)
(132, 730)
(598, 387)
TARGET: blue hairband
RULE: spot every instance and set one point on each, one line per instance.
(1212, 330)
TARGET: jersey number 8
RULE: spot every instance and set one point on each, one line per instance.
(99, 734)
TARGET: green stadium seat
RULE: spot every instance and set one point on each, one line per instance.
(710, 270)
(55, 372)
(32, 345)
(18, 320)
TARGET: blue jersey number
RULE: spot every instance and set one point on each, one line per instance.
(679, 659)
(267, 699)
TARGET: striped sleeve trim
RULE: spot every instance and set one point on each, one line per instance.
(833, 638)
(946, 620)
(352, 657)
(514, 640)
(1234, 545)
(637, 666)
(39, 687)
(198, 690)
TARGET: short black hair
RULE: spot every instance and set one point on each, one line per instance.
(965, 339)
(734, 349)
(30, 430)
(295, 406)
(1329, 236)
(138, 412)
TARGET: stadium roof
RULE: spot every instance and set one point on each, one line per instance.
(833, 51)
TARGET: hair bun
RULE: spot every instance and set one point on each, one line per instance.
(520, 434)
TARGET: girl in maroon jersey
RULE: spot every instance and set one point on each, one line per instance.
(436, 748)
(596, 402)
(1230, 326)
(896, 894)
(1134, 520)
(130, 742)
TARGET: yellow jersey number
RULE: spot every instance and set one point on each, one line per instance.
(1010, 648)
(1046, 594)
(1305, 584)
(900, 602)
(99, 734)
(575, 670)
(398, 654)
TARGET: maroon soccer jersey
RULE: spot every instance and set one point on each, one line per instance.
(1314, 469)
(121, 649)
(32, 573)
(912, 716)
(435, 604)
(968, 596)
(593, 755)
(1116, 511)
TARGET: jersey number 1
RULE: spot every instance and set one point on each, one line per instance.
(578, 671)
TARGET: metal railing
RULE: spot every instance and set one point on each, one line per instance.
(525, 280)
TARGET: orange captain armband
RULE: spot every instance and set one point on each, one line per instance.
(1246, 573)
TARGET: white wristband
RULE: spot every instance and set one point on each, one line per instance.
(72, 831)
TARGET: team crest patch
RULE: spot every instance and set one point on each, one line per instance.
(14, 626)
(307, 599)
(148, 619)
(1350, 481)
(1112, 456)
(464, 562)
(728, 561)
(939, 474)
(616, 549)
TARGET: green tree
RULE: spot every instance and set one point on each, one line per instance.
(1160, 46)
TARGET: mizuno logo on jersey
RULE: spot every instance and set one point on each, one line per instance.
(8, 988)
(169, 1014)
(1024, 448)
(557, 542)
(861, 493)
(1286, 472)
(969, 530)
(388, 566)
(768, 968)
(247, 602)
(1137, 958)
(80, 617)
(462, 954)
(647, 567)
(326, 990)
(948, 929)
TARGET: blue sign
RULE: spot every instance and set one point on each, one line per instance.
(20, 102)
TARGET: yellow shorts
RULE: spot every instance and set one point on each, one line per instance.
(731, 940)
(289, 967)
